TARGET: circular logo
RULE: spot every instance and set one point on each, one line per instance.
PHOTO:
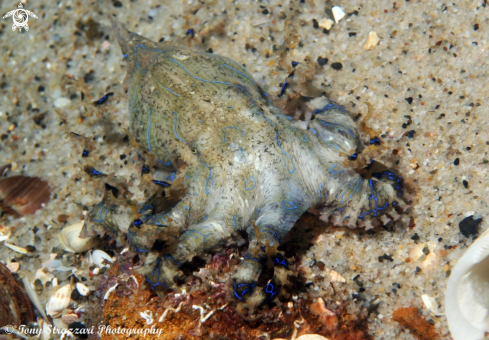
(8, 329)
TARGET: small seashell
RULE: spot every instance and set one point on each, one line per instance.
(467, 294)
(16, 248)
(69, 318)
(13, 267)
(59, 301)
(69, 238)
(100, 258)
(372, 41)
(336, 277)
(82, 289)
(23, 195)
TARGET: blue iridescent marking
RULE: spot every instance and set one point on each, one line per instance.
(175, 128)
(285, 154)
(304, 139)
(207, 181)
(103, 99)
(157, 50)
(286, 117)
(171, 177)
(399, 187)
(335, 172)
(330, 107)
(313, 131)
(295, 63)
(213, 81)
(145, 207)
(268, 120)
(124, 55)
(288, 205)
(353, 156)
(157, 270)
(234, 220)
(161, 183)
(246, 183)
(375, 141)
(138, 223)
(320, 190)
(269, 229)
(280, 261)
(167, 163)
(244, 75)
(147, 132)
(134, 99)
(251, 258)
(376, 199)
(337, 126)
(171, 91)
(190, 231)
(230, 127)
(282, 90)
(269, 289)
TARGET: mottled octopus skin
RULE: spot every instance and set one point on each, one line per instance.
(247, 162)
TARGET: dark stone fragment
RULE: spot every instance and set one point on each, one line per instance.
(75, 294)
(322, 61)
(265, 12)
(337, 66)
(404, 125)
(117, 4)
(352, 34)
(409, 100)
(426, 250)
(411, 133)
(41, 88)
(468, 226)
(385, 257)
(122, 157)
(456, 161)
(417, 270)
(315, 23)
(476, 27)
(415, 237)
(465, 183)
(89, 77)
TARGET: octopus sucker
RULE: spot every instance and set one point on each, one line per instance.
(248, 166)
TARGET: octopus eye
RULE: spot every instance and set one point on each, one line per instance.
(194, 150)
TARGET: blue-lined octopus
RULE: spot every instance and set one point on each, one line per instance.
(241, 162)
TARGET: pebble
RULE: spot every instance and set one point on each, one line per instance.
(61, 102)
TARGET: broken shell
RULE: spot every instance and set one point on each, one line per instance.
(69, 238)
(338, 13)
(15, 307)
(467, 294)
(59, 301)
(82, 289)
(372, 40)
(13, 267)
(69, 318)
(23, 195)
(16, 248)
(101, 258)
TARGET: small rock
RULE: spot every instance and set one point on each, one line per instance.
(326, 23)
(468, 226)
(61, 102)
(372, 40)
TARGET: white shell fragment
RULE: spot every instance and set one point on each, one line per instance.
(100, 258)
(59, 301)
(372, 40)
(467, 294)
(72, 242)
(326, 23)
(16, 248)
(338, 13)
(82, 289)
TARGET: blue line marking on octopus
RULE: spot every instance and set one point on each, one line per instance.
(246, 183)
(214, 82)
(285, 154)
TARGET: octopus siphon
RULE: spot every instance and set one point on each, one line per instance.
(242, 165)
